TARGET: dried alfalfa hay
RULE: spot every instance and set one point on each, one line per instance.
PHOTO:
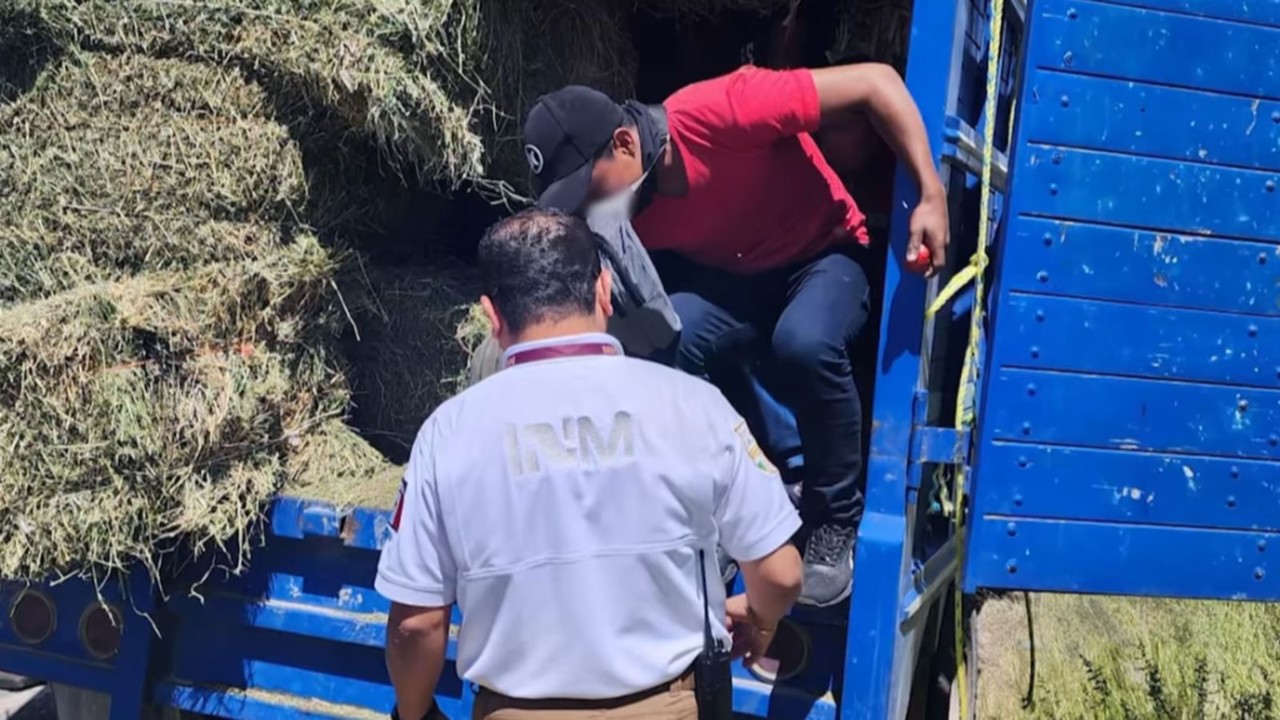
(149, 411)
(874, 31)
(336, 465)
(388, 68)
(405, 357)
(111, 166)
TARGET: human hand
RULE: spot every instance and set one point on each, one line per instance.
(930, 234)
(750, 641)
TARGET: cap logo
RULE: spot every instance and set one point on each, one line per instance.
(534, 156)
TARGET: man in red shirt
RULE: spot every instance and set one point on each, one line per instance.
(727, 177)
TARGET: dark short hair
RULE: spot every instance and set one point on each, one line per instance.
(540, 266)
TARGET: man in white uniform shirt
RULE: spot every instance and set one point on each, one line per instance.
(563, 503)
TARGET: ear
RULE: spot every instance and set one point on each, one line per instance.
(604, 293)
(626, 141)
(491, 312)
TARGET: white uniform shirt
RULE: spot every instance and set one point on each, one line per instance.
(562, 503)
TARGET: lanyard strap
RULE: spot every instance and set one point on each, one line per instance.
(555, 352)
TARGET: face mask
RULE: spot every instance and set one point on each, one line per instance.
(630, 201)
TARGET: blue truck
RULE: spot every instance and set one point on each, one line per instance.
(1122, 436)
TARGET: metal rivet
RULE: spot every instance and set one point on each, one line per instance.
(1039, 316)
(1031, 389)
(1271, 186)
(1026, 428)
(1057, 158)
(1259, 573)
(1035, 351)
(1275, 116)
(1012, 529)
(1017, 501)
(1068, 57)
(1023, 462)
(1048, 240)
(1231, 501)
(1012, 567)
(1066, 101)
(1042, 276)
(1273, 441)
(1053, 189)
(1262, 546)
(1235, 473)
(1072, 14)
(1253, 331)
(1242, 405)
(1262, 258)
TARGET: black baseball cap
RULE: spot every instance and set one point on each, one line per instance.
(563, 133)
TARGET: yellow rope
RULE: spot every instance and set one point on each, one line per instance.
(973, 272)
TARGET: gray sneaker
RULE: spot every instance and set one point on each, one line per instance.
(828, 566)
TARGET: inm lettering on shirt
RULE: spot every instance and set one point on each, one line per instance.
(579, 444)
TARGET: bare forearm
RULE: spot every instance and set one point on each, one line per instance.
(877, 92)
(415, 659)
(896, 117)
(773, 584)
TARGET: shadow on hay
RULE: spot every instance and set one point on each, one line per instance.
(24, 54)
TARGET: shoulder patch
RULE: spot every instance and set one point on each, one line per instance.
(754, 451)
(399, 509)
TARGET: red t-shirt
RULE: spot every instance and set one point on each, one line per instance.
(761, 196)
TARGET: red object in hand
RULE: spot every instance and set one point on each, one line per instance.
(923, 261)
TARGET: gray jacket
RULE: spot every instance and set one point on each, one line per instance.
(644, 320)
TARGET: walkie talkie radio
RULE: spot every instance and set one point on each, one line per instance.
(712, 681)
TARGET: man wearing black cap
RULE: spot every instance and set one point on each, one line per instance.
(726, 175)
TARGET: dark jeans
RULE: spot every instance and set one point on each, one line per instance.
(796, 325)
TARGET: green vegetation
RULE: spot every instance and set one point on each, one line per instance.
(1130, 659)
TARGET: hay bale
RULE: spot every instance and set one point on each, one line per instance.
(140, 413)
(407, 358)
(170, 167)
(335, 465)
(528, 49)
(876, 31)
(386, 67)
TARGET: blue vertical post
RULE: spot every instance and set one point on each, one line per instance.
(878, 657)
(132, 664)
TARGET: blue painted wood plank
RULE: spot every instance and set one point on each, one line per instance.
(1037, 481)
(227, 703)
(1135, 340)
(24, 660)
(1266, 12)
(1149, 193)
(1142, 119)
(1118, 559)
(1101, 39)
(288, 617)
(1126, 413)
(291, 664)
(1108, 263)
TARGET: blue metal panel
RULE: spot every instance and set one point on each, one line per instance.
(1144, 340)
(1117, 115)
(1114, 40)
(1136, 266)
(1148, 193)
(1132, 414)
(1130, 427)
(1127, 559)
(1131, 487)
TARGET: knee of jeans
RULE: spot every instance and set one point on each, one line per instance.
(805, 353)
